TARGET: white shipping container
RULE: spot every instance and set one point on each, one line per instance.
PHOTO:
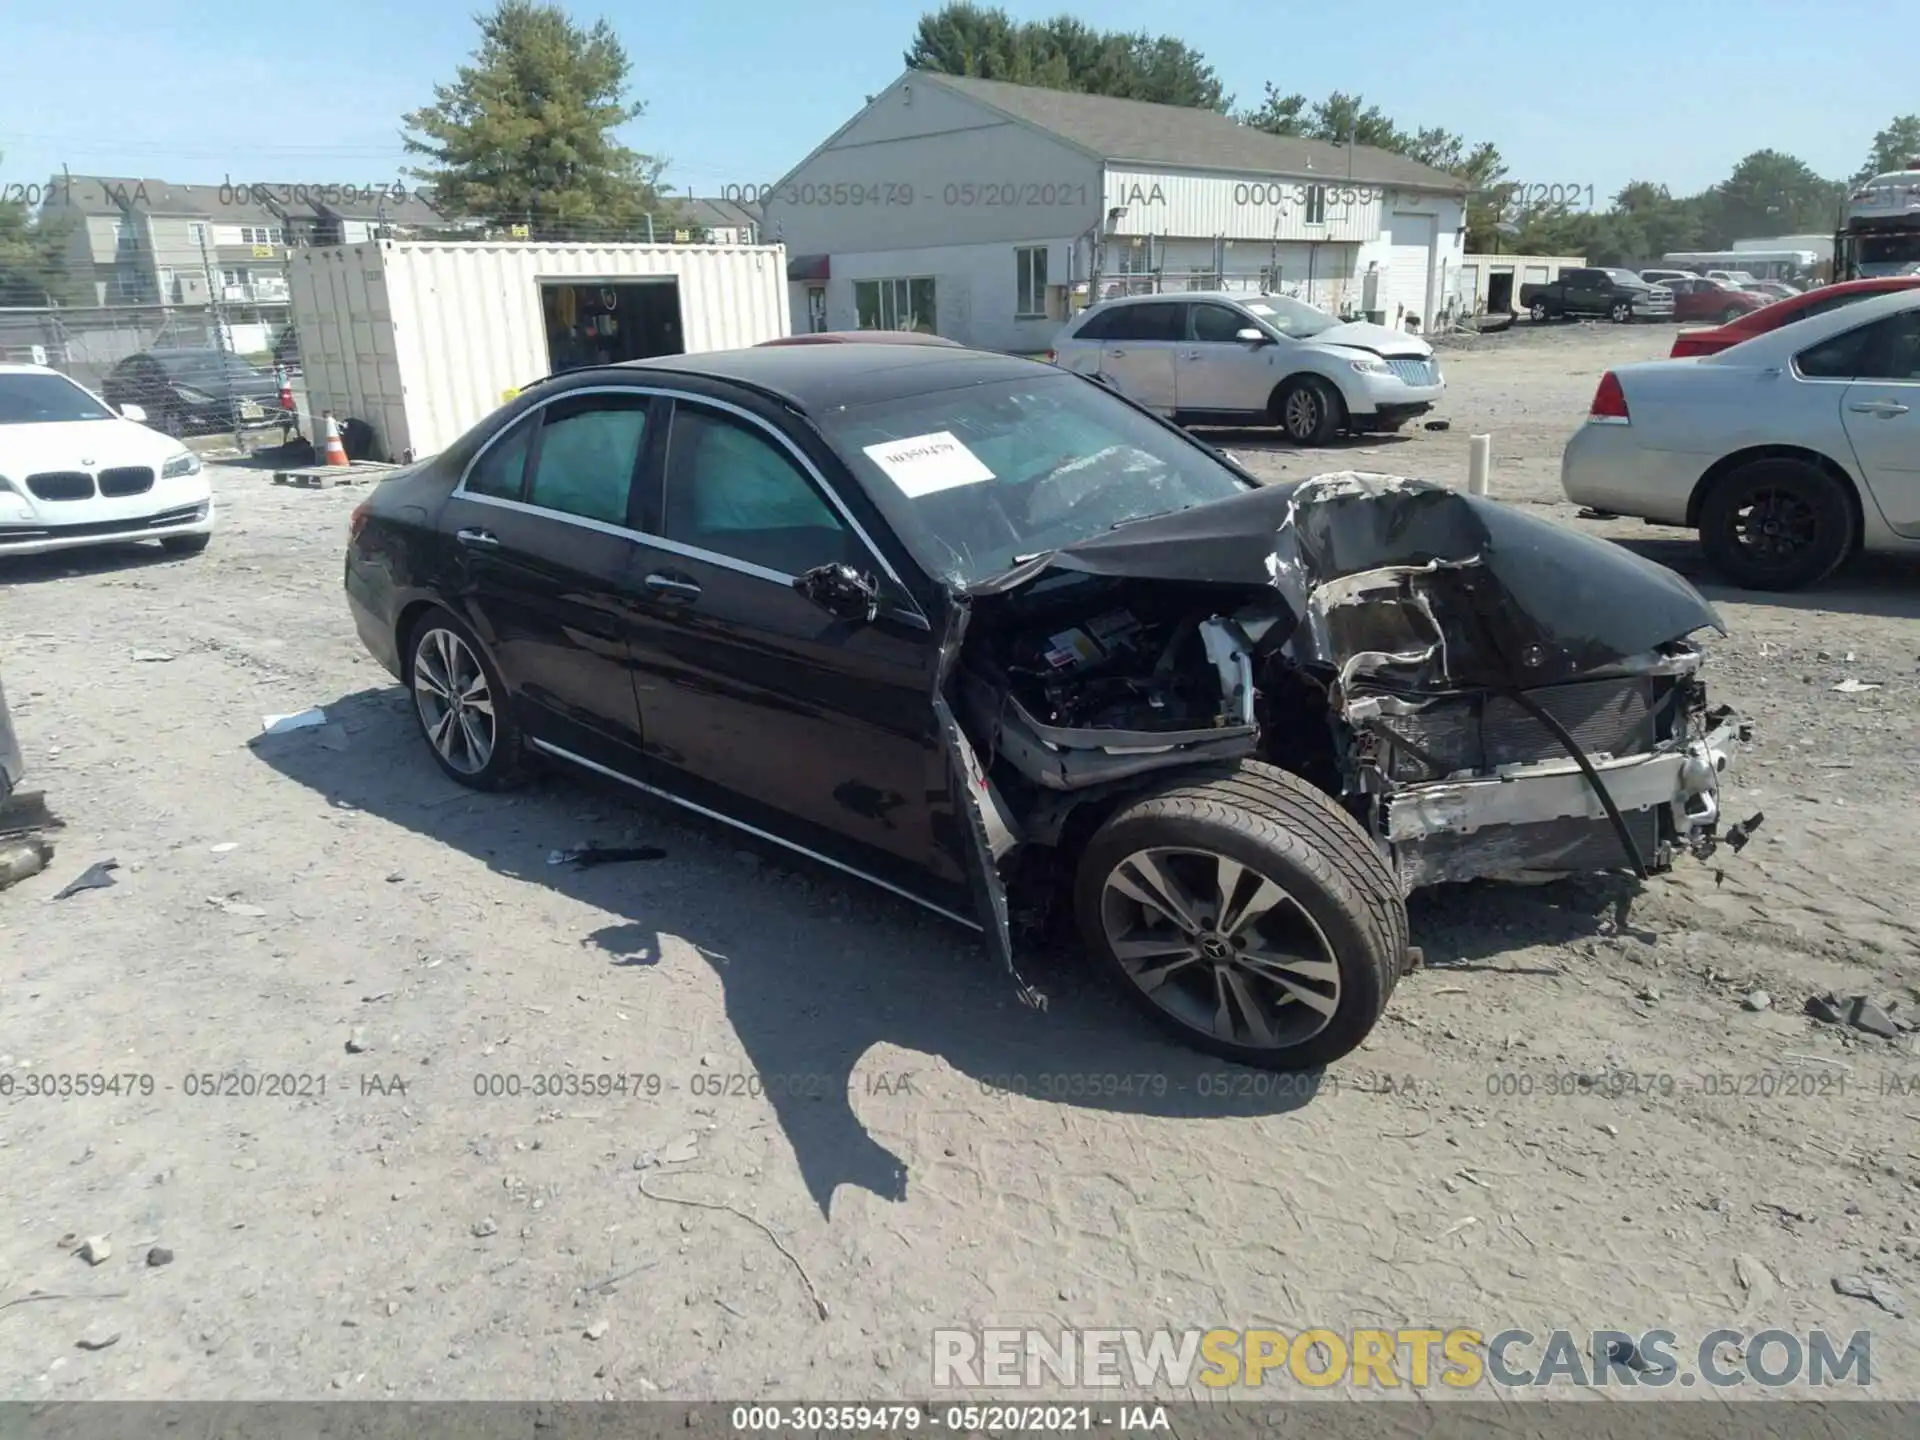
(421, 339)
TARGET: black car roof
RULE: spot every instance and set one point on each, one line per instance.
(825, 377)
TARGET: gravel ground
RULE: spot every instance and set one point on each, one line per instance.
(324, 907)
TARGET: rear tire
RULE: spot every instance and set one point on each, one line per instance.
(1776, 525)
(1308, 897)
(1539, 313)
(478, 742)
(1308, 410)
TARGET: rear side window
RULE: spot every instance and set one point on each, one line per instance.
(1095, 327)
(1150, 321)
(1843, 357)
(501, 471)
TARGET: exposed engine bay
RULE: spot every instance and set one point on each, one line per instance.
(1488, 701)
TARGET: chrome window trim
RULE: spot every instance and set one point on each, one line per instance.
(692, 552)
(767, 835)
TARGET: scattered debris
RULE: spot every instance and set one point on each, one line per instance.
(1738, 835)
(284, 724)
(1851, 686)
(1648, 993)
(483, 1228)
(597, 1330)
(676, 1152)
(819, 1305)
(1856, 1011)
(22, 861)
(1859, 1287)
(357, 1042)
(152, 657)
(589, 855)
(98, 1339)
(1757, 1000)
(159, 1255)
(97, 876)
(1439, 425)
(234, 907)
(95, 1249)
(226, 848)
(63, 1295)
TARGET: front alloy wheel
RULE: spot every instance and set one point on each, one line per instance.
(1220, 947)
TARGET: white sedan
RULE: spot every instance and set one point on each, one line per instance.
(1788, 452)
(74, 473)
(1234, 359)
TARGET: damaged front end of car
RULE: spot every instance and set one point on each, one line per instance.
(1489, 694)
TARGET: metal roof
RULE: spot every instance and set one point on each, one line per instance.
(1137, 130)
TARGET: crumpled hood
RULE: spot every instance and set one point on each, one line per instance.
(1375, 339)
(1409, 584)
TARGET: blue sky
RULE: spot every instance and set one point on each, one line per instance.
(739, 90)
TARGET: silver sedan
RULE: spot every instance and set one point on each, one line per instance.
(1788, 452)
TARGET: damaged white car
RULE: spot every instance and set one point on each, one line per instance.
(992, 637)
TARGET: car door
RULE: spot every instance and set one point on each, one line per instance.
(1139, 352)
(1588, 292)
(547, 569)
(1881, 410)
(1214, 370)
(758, 704)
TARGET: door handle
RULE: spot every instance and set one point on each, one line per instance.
(1887, 409)
(674, 587)
(1189, 354)
(1117, 354)
(479, 537)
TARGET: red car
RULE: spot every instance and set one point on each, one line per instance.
(1701, 297)
(1783, 312)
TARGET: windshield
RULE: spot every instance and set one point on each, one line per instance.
(976, 479)
(211, 365)
(1625, 277)
(1293, 318)
(46, 400)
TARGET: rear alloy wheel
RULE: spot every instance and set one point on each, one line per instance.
(1308, 410)
(1622, 313)
(1247, 914)
(1538, 313)
(1776, 525)
(462, 705)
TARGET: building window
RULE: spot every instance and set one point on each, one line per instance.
(1030, 279)
(235, 276)
(197, 236)
(894, 305)
(1316, 206)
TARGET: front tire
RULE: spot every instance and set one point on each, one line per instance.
(1622, 313)
(1776, 525)
(185, 544)
(461, 704)
(1308, 410)
(1246, 914)
(1539, 313)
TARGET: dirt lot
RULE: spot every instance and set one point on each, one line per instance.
(324, 907)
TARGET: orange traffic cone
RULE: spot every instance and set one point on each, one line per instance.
(336, 451)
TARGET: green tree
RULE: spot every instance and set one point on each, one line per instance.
(1769, 193)
(1667, 223)
(1894, 148)
(34, 266)
(1064, 54)
(523, 134)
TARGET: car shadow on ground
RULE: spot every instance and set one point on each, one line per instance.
(797, 1008)
(1885, 586)
(130, 556)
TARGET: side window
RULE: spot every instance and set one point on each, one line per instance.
(732, 490)
(1216, 323)
(1096, 328)
(1895, 350)
(588, 451)
(501, 472)
(1843, 357)
(1149, 320)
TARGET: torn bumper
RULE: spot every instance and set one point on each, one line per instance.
(1545, 818)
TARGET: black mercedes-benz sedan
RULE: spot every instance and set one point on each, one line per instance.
(986, 634)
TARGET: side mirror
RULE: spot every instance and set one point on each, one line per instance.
(842, 591)
(133, 413)
(1251, 336)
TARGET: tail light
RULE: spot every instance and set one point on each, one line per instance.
(1053, 357)
(357, 521)
(1686, 347)
(1609, 403)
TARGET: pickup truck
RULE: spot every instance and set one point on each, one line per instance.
(1620, 295)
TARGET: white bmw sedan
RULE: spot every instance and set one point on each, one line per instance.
(1787, 452)
(75, 473)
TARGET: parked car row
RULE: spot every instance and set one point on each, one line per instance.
(194, 391)
(1604, 292)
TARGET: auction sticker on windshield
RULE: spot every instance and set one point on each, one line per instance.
(925, 464)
